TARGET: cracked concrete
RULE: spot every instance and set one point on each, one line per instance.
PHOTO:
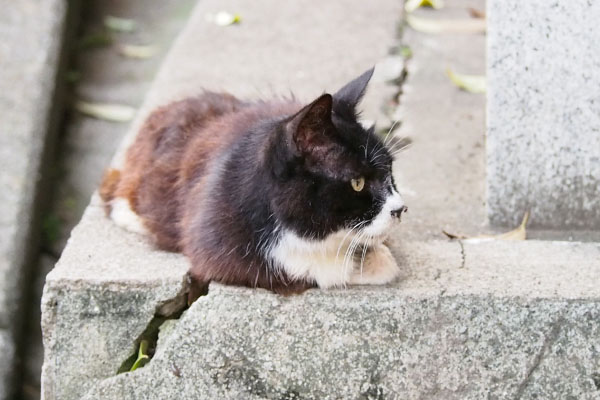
(537, 360)
(256, 345)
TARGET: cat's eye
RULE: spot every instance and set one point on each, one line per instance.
(358, 184)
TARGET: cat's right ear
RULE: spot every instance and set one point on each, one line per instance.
(311, 127)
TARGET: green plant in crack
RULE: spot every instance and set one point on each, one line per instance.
(142, 357)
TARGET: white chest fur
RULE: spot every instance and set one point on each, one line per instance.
(329, 262)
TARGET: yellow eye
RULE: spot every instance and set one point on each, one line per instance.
(358, 184)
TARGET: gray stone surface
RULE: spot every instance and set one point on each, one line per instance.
(31, 35)
(543, 140)
(442, 175)
(371, 344)
(105, 289)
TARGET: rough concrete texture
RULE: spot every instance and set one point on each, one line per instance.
(488, 320)
(30, 43)
(447, 125)
(106, 288)
(371, 344)
(543, 139)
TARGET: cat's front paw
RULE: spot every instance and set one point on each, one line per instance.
(379, 267)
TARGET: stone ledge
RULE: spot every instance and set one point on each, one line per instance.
(110, 303)
(371, 344)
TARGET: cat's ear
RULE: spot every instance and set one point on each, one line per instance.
(347, 98)
(312, 126)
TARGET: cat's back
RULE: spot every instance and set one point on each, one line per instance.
(172, 152)
(143, 196)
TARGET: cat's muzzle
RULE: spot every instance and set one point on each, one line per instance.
(398, 212)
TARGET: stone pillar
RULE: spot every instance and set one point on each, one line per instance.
(543, 113)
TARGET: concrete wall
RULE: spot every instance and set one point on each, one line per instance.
(543, 116)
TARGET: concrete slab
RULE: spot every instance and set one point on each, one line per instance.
(447, 126)
(31, 35)
(543, 138)
(371, 344)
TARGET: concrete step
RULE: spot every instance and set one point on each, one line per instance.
(31, 41)
(468, 321)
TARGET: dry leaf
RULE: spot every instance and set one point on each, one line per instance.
(517, 234)
(137, 51)
(106, 111)
(428, 25)
(119, 24)
(412, 5)
(475, 13)
(470, 83)
(223, 18)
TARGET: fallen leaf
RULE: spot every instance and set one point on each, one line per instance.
(137, 51)
(119, 24)
(519, 233)
(106, 111)
(428, 25)
(470, 83)
(475, 13)
(223, 18)
(412, 5)
(142, 357)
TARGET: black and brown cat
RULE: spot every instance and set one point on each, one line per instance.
(269, 194)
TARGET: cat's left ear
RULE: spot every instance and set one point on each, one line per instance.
(347, 98)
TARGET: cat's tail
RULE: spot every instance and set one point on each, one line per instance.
(108, 187)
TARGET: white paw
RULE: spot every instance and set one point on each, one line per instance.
(379, 267)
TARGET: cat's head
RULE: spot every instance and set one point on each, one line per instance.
(337, 174)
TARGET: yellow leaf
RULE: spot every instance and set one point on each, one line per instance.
(429, 25)
(412, 5)
(470, 83)
(106, 111)
(119, 24)
(137, 51)
(519, 233)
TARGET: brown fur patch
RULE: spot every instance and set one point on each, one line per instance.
(110, 180)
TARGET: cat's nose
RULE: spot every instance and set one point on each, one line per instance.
(398, 212)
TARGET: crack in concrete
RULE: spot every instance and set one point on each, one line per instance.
(463, 254)
(166, 310)
(538, 358)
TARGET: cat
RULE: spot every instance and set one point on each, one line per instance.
(267, 194)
